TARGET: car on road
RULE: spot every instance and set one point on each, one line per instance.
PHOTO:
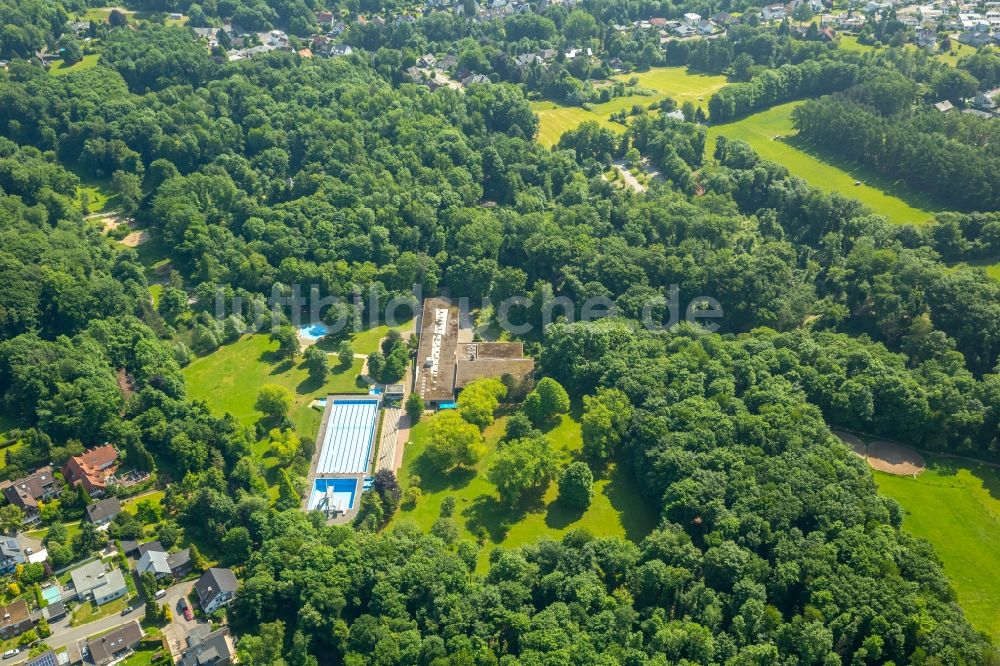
(160, 594)
(185, 609)
(11, 653)
(127, 610)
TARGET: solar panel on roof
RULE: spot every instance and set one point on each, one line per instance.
(47, 659)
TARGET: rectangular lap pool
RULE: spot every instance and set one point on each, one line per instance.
(346, 440)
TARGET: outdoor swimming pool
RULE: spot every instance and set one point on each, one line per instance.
(51, 594)
(313, 331)
(330, 494)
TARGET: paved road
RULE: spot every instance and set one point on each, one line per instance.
(64, 635)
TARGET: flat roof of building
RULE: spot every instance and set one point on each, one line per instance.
(435, 376)
(469, 371)
(347, 435)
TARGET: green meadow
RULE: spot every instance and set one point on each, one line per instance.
(60, 68)
(616, 510)
(228, 380)
(955, 505)
(653, 85)
(893, 199)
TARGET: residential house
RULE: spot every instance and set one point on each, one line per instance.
(11, 554)
(476, 78)
(114, 645)
(427, 60)
(180, 562)
(27, 492)
(773, 12)
(324, 18)
(92, 469)
(14, 619)
(208, 648)
(154, 562)
(986, 100)
(691, 19)
(103, 511)
(92, 581)
(448, 62)
(54, 611)
(49, 658)
(944, 106)
(338, 50)
(216, 588)
(925, 39)
(723, 18)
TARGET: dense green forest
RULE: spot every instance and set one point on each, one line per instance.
(772, 544)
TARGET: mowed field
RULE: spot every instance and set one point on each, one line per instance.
(616, 510)
(891, 199)
(228, 380)
(956, 506)
(60, 68)
(659, 82)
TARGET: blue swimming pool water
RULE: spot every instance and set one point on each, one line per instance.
(51, 594)
(313, 331)
(375, 391)
(343, 490)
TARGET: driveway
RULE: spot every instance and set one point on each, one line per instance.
(177, 631)
(64, 635)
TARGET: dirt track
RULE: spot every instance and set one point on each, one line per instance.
(885, 456)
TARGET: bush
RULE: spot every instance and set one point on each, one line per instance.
(411, 497)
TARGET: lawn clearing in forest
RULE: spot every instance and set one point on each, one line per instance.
(893, 199)
(653, 85)
(228, 380)
(616, 510)
(94, 194)
(60, 68)
(955, 505)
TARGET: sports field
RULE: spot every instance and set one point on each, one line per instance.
(653, 85)
(956, 506)
(616, 510)
(891, 199)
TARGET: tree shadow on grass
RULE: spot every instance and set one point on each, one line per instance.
(560, 516)
(486, 512)
(637, 516)
(433, 481)
(309, 385)
(282, 367)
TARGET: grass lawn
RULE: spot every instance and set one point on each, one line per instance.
(616, 509)
(72, 529)
(228, 380)
(154, 292)
(130, 504)
(90, 611)
(100, 198)
(956, 506)
(367, 341)
(892, 199)
(851, 43)
(676, 82)
(60, 68)
(147, 650)
(957, 51)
